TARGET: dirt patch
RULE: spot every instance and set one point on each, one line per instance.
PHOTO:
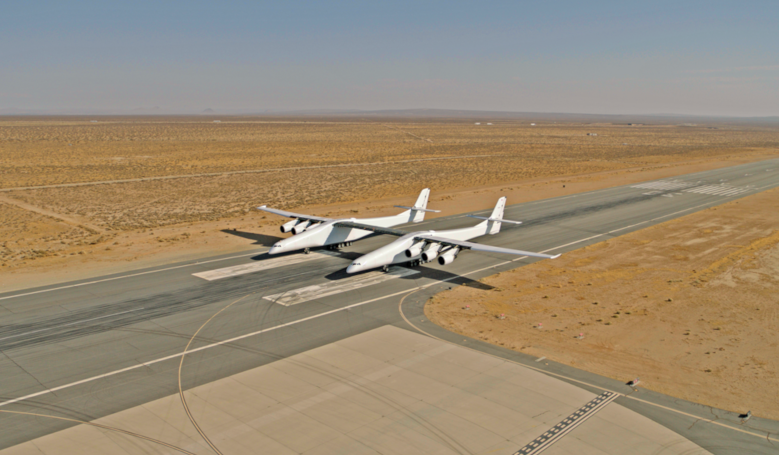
(189, 178)
(690, 306)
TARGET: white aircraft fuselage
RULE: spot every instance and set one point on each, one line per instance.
(396, 252)
(327, 234)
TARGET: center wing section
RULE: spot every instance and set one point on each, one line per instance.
(368, 227)
(484, 248)
(299, 216)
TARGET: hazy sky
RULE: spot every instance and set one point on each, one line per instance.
(691, 57)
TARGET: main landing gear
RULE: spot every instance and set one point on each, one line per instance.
(338, 246)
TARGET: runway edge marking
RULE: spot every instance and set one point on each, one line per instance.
(407, 291)
(131, 275)
(326, 313)
(755, 190)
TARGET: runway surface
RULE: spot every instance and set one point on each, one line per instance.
(88, 349)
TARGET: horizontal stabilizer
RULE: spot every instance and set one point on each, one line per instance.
(416, 208)
(494, 219)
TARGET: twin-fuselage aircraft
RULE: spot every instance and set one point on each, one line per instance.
(411, 247)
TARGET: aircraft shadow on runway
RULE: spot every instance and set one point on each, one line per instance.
(259, 239)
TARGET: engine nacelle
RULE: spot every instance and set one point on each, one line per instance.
(448, 257)
(300, 227)
(414, 250)
(431, 252)
(286, 227)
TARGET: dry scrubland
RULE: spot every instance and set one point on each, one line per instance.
(64, 221)
(690, 306)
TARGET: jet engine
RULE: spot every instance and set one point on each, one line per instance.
(414, 250)
(449, 256)
(300, 227)
(286, 227)
(431, 252)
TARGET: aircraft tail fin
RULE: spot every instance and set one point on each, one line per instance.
(493, 225)
(420, 207)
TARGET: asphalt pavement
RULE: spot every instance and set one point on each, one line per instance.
(87, 349)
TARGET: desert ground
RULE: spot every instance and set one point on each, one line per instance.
(689, 306)
(82, 196)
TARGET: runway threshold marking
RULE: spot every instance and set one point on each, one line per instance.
(355, 305)
(318, 291)
(721, 189)
(243, 269)
(664, 185)
(261, 252)
(567, 425)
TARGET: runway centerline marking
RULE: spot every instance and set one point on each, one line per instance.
(336, 310)
(326, 313)
(243, 269)
(317, 291)
(69, 324)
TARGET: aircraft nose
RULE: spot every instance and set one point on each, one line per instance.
(354, 267)
(276, 249)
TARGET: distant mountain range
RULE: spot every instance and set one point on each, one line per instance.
(399, 113)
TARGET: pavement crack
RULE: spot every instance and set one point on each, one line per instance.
(26, 372)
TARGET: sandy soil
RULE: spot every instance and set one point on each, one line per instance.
(154, 190)
(690, 306)
(74, 251)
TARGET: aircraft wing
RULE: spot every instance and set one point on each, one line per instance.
(368, 227)
(293, 215)
(484, 248)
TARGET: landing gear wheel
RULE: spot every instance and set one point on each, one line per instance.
(306, 251)
(385, 268)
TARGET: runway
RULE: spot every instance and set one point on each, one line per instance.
(89, 349)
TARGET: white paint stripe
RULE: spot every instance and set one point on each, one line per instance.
(318, 291)
(663, 185)
(543, 446)
(721, 191)
(67, 325)
(131, 275)
(258, 266)
(326, 313)
(732, 192)
(555, 199)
